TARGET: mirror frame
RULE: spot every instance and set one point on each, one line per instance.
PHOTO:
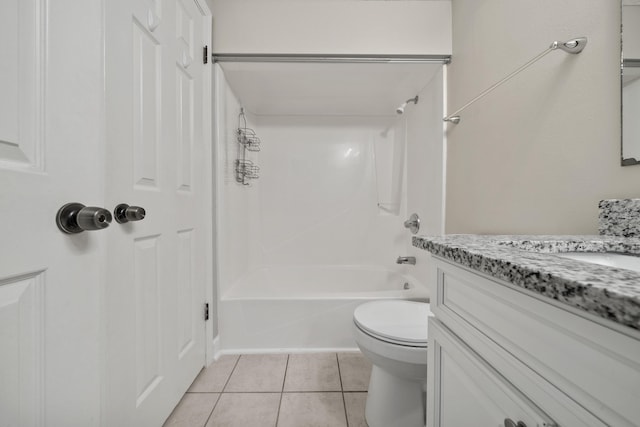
(631, 160)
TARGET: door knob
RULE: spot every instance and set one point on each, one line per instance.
(74, 218)
(125, 213)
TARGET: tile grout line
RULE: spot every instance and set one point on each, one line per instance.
(344, 402)
(212, 409)
(231, 374)
(280, 392)
(286, 368)
(220, 394)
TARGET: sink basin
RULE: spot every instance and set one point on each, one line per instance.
(628, 262)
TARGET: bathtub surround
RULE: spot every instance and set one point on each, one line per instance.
(292, 260)
(619, 217)
(315, 203)
(529, 262)
(232, 216)
(320, 231)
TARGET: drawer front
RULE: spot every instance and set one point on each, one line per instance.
(597, 366)
(468, 391)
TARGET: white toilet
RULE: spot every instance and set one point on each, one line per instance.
(392, 334)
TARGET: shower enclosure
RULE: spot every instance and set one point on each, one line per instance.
(318, 226)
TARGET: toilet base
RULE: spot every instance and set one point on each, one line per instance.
(394, 401)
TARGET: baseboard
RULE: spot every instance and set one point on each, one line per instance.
(285, 350)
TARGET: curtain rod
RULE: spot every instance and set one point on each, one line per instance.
(573, 46)
(393, 59)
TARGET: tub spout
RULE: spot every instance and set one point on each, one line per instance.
(406, 260)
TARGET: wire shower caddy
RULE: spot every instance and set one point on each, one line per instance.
(248, 142)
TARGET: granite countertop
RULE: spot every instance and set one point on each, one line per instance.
(528, 262)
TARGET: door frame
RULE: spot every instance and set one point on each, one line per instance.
(207, 135)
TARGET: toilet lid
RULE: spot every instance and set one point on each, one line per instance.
(397, 321)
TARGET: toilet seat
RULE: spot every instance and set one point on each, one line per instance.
(395, 321)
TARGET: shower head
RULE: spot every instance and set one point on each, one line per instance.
(400, 109)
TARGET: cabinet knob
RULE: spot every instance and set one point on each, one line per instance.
(508, 422)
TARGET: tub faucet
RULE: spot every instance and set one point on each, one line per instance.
(406, 260)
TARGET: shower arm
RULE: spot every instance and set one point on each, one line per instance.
(414, 100)
(573, 46)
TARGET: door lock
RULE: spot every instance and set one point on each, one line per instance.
(74, 218)
(125, 213)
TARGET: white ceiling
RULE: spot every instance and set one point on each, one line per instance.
(354, 89)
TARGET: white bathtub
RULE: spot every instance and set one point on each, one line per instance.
(304, 308)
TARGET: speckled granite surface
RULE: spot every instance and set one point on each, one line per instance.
(619, 217)
(528, 262)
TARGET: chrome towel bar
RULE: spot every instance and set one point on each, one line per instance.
(573, 46)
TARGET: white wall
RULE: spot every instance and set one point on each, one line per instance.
(537, 154)
(352, 27)
(631, 31)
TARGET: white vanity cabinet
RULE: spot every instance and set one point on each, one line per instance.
(470, 392)
(500, 355)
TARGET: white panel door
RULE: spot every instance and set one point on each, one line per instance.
(156, 159)
(50, 124)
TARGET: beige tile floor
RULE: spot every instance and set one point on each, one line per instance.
(277, 390)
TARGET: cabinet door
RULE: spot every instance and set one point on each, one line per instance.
(465, 391)
(590, 366)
